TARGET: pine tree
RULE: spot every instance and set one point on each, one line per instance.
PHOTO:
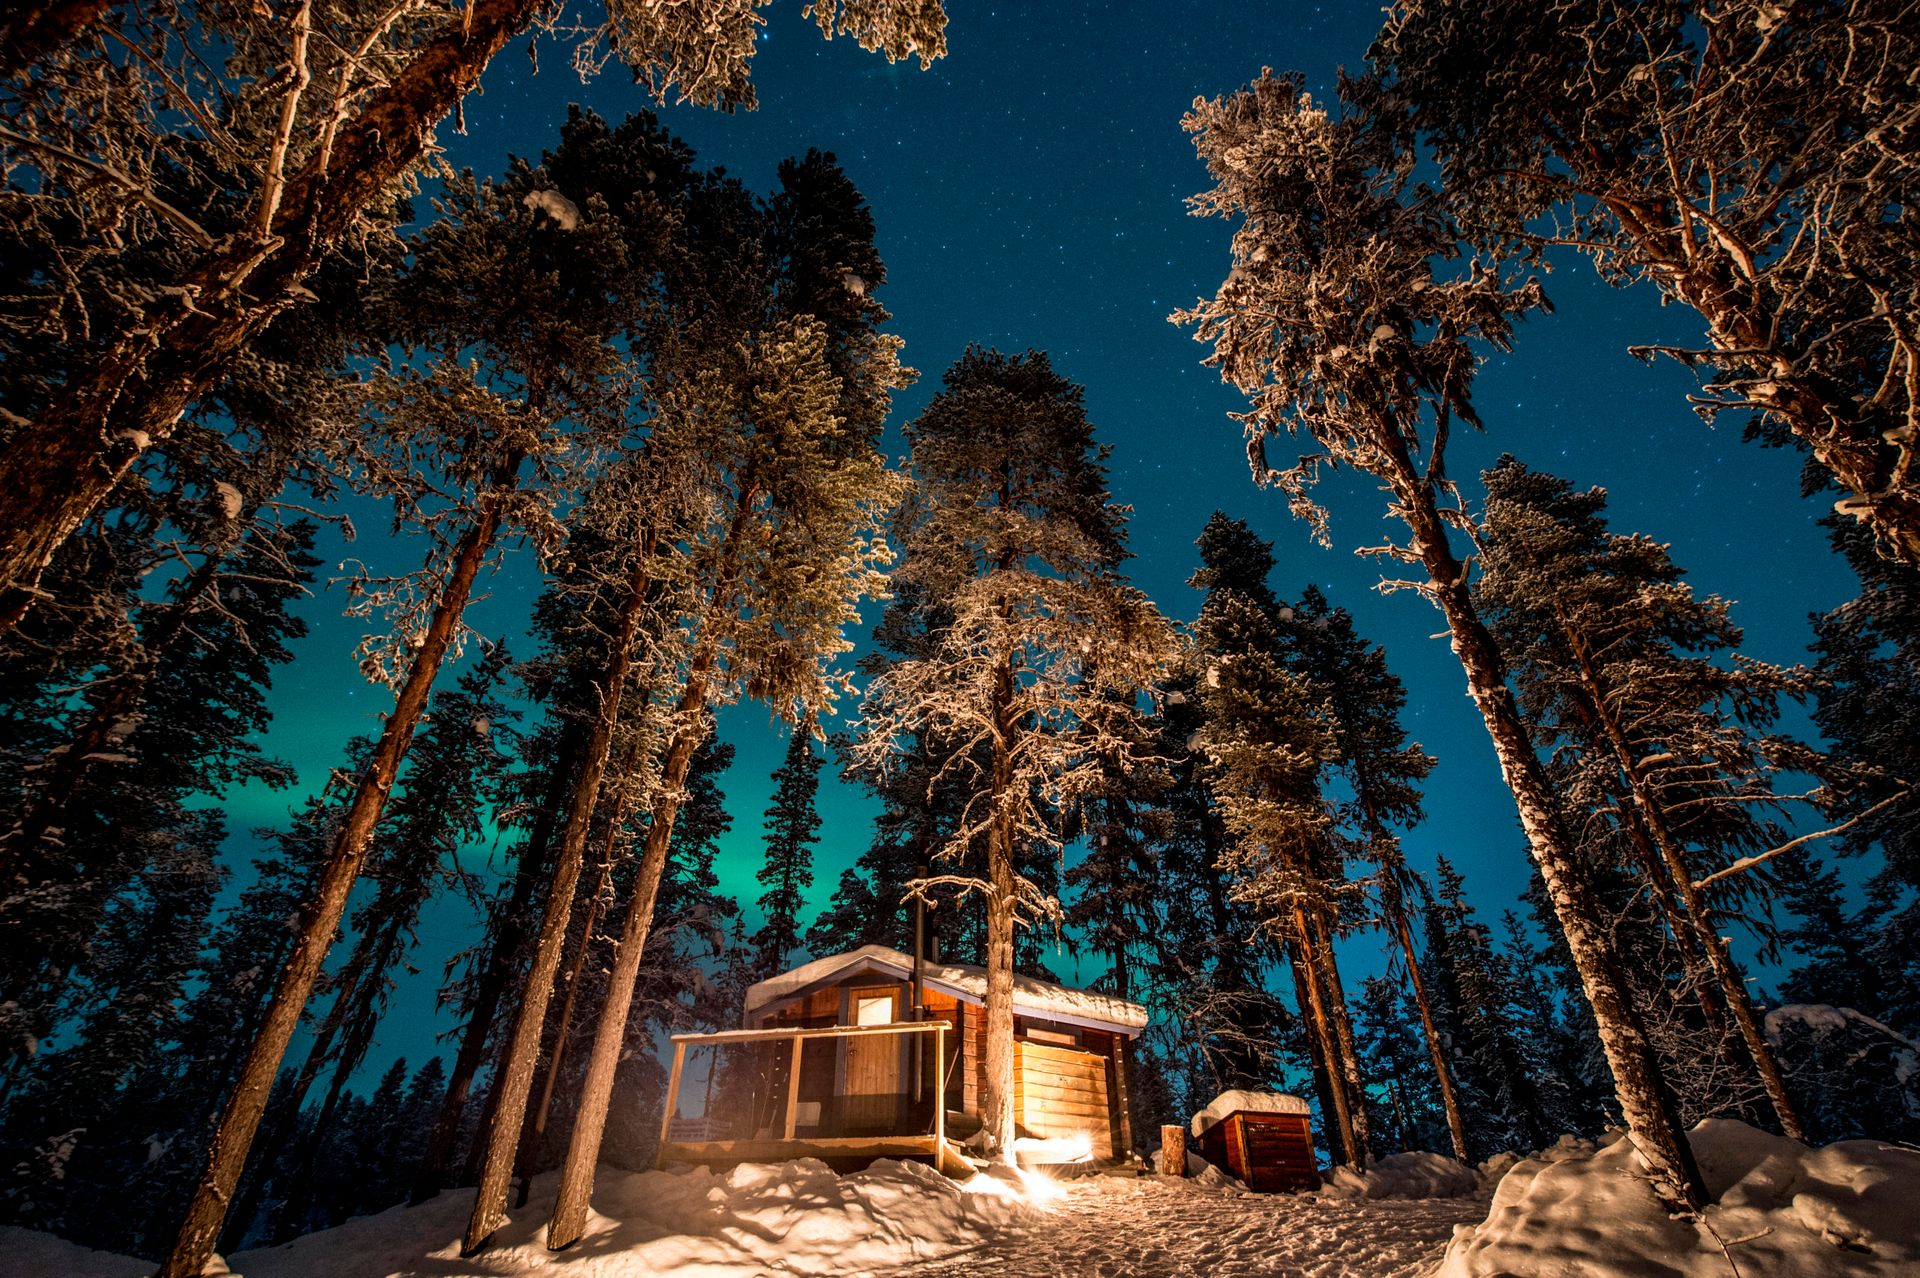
(1383, 774)
(167, 1106)
(1339, 321)
(451, 781)
(921, 802)
(1849, 957)
(1473, 1000)
(1866, 701)
(1410, 1115)
(1267, 734)
(1210, 959)
(1044, 650)
(181, 712)
(478, 979)
(512, 314)
(796, 493)
(1117, 883)
(793, 826)
(1623, 674)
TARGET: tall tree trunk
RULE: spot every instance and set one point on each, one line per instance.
(515, 1082)
(1646, 1101)
(227, 1155)
(56, 471)
(371, 960)
(1320, 1026)
(1436, 1050)
(281, 1125)
(1697, 914)
(997, 1080)
(1330, 1105)
(997, 1052)
(495, 976)
(596, 1091)
(1693, 958)
(1349, 1053)
(536, 1133)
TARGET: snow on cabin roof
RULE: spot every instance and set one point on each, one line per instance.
(967, 981)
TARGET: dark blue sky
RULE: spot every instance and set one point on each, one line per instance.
(1029, 192)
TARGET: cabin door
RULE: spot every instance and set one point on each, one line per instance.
(873, 1092)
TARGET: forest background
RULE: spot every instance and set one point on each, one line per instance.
(1030, 192)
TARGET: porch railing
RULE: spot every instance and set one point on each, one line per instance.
(799, 1038)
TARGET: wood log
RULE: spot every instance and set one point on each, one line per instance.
(1173, 1151)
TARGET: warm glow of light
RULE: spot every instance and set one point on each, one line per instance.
(1016, 1184)
(1041, 1188)
(1033, 1151)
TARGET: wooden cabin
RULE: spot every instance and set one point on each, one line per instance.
(1261, 1138)
(844, 1069)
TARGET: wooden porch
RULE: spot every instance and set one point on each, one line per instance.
(766, 1098)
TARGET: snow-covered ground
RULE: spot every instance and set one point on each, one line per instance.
(1155, 1228)
(896, 1218)
(1851, 1210)
(792, 1218)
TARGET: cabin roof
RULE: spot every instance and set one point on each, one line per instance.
(964, 981)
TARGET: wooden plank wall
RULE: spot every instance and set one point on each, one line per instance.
(1268, 1152)
(1058, 1091)
(941, 1007)
(973, 1065)
(1111, 1048)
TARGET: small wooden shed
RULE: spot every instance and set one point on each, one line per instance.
(852, 1068)
(1261, 1138)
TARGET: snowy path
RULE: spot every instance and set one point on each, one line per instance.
(1151, 1228)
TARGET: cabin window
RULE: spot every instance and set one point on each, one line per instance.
(1052, 1036)
(873, 1011)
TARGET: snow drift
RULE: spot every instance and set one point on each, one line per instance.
(1410, 1175)
(790, 1218)
(1781, 1210)
(798, 1218)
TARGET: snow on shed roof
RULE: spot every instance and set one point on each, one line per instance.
(965, 981)
(1227, 1104)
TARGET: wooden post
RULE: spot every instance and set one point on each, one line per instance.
(1173, 1151)
(793, 1087)
(939, 1094)
(673, 1098)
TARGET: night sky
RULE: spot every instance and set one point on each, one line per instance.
(1029, 192)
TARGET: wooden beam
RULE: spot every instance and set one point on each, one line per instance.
(780, 1151)
(793, 1087)
(826, 1031)
(673, 1100)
